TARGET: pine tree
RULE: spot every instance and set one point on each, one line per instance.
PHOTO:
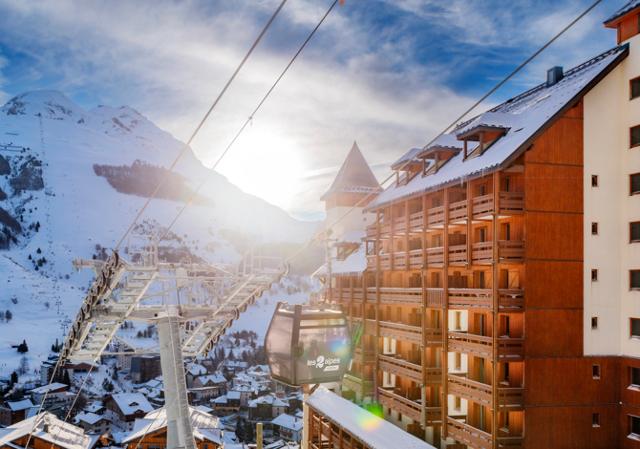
(8, 315)
(14, 378)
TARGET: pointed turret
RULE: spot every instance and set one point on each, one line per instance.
(354, 181)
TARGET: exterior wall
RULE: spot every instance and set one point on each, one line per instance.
(608, 116)
(355, 221)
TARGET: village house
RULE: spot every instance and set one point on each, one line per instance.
(92, 423)
(288, 427)
(267, 407)
(45, 431)
(207, 386)
(12, 412)
(124, 408)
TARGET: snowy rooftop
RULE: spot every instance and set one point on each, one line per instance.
(20, 405)
(368, 428)
(288, 422)
(205, 426)
(268, 399)
(50, 429)
(49, 388)
(87, 417)
(216, 378)
(195, 369)
(629, 6)
(524, 115)
(130, 403)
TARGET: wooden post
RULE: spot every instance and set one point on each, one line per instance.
(406, 238)
(377, 308)
(469, 222)
(259, 436)
(495, 267)
(445, 317)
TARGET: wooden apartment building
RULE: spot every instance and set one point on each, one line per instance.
(476, 280)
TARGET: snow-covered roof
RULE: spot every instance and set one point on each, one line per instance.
(215, 378)
(88, 417)
(489, 119)
(195, 369)
(19, 405)
(49, 388)
(527, 114)
(628, 7)
(48, 427)
(205, 426)
(234, 394)
(221, 399)
(204, 409)
(130, 403)
(268, 399)
(94, 407)
(354, 176)
(288, 422)
(406, 157)
(367, 427)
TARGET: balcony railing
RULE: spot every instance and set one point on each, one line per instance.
(470, 298)
(458, 254)
(435, 256)
(416, 221)
(400, 295)
(400, 260)
(510, 203)
(508, 251)
(401, 367)
(435, 297)
(435, 217)
(366, 356)
(469, 435)
(509, 348)
(408, 407)
(458, 211)
(401, 331)
(511, 299)
(472, 390)
(415, 259)
(354, 382)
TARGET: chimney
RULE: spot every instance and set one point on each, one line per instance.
(554, 74)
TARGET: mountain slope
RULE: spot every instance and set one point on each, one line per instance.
(71, 181)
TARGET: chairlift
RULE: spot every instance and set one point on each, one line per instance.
(308, 344)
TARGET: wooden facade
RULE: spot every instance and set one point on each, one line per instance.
(158, 440)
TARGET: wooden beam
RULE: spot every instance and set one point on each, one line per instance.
(495, 267)
(445, 316)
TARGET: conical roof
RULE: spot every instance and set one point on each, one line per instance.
(355, 176)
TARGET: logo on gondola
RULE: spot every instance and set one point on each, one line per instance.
(325, 363)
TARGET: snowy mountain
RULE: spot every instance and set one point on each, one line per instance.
(71, 181)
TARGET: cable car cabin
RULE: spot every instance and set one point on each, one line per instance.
(308, 344)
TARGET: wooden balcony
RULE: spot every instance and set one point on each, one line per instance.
(458, 254)
(435, 297)
(369, 324)
(416, 222)
(385, 261)
(508, 251)
(469, 435)
(408, 407)
(510, 203)
(401, 331)
(415, 259)
(400, 260)
(509, 348)
(399, 295)
(511, 442)
(458, 212)
(354, 382)
(471, 390)
(435, 217)
(366, 356)
(470, 298)
(511, 398)
(511, 299)
(433, 336)
(400, 367)
(435, 256)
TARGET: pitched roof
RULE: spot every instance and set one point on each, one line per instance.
(20, 405)
(288, 422)
(205, 426)
(130, 403)
(355, 176)
(48, 427)
(375, 432)
(526, 115)
(628, 7)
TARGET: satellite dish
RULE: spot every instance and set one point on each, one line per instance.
(308, 344)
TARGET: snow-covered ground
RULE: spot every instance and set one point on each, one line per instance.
(77, 211)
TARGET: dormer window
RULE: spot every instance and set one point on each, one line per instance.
(484, 135)
(435, 157)
(407, 167)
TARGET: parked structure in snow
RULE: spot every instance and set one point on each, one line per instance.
(502, 260)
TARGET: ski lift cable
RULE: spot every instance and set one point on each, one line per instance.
(491, 91)
(194, 194)
(201, 124)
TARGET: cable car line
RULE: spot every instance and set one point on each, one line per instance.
(248, 120)
(201, 123)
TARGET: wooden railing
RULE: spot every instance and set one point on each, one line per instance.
(511, 299)
(477, 345)
(510, 348)
(510, 442)
(354, 382)
(482, 205)
(511, 397)
(458, 211)
(415, 259)
(435, 256)
(406, 406)
(400, 367)
(385, 261)
(511, 202)
(400, 260)
(472, 390)
(508, 251)
(435, 297)
(399, 295)
(433, 336)
(482, 252)
(469, 435)
(458, 254)
(435, 216)
(401, 331)
(470, 298)
(416, 221)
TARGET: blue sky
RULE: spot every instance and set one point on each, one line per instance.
(387, 73)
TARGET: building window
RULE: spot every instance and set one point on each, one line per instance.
(634, 377)
(595, 420)
(594, 275)
(634, 184)
(634, 88)
(634, 279)
(594, 228)
(634, 136)
(635, 327)
(594, 322)
(594, 180)
(634, 427)
(634, 232)
(595, 371)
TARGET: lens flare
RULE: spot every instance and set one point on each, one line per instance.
(367, 420)
(340, 348)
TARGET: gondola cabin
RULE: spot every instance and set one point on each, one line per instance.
(308, 344)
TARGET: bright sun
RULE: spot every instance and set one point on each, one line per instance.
(265, 164)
